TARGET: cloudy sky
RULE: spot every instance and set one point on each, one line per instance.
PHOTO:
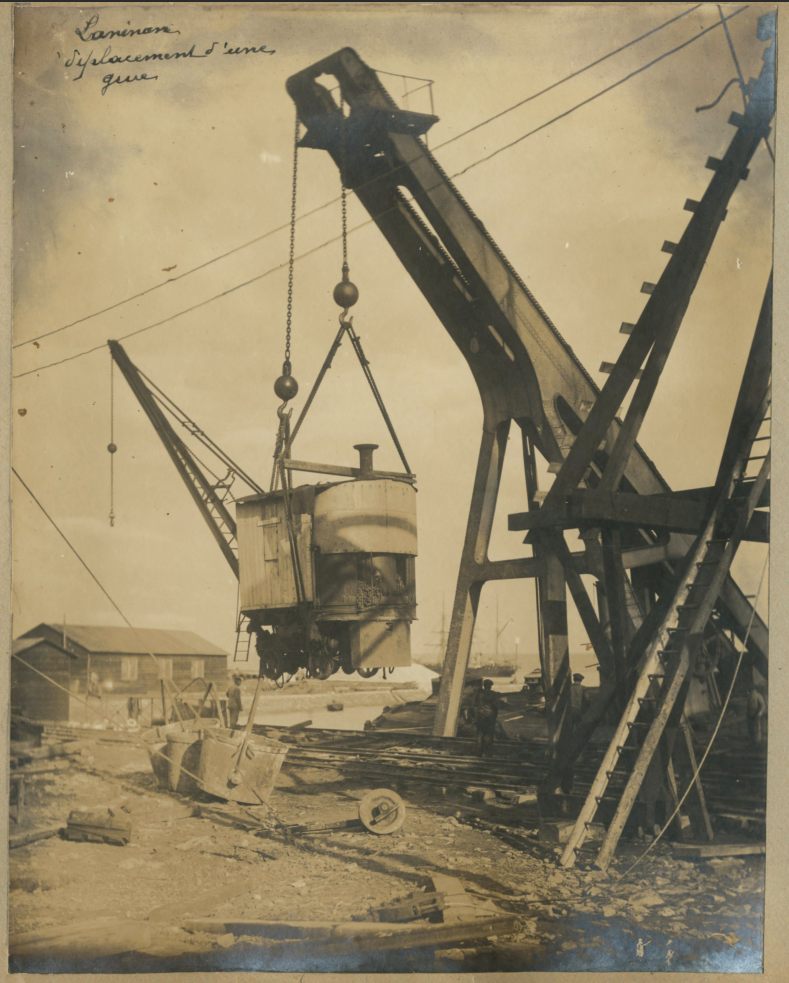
(118, 190)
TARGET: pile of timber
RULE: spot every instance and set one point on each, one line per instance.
(734, 779)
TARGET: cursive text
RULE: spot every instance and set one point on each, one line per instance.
(109, 80)
(86, 34)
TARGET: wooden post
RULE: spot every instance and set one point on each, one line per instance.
(469, 585)
(250, 721)
(617, 602)
(554, 651)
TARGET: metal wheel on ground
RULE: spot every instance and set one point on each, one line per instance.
(382, 811)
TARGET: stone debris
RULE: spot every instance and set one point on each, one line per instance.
(573, 919)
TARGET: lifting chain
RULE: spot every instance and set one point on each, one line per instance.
(345, 293)
(286, 386)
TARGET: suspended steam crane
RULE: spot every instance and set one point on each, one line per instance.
(662, 558)
(326, 572)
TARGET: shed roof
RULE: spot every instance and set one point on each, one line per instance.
(134, 641)
(23, 644)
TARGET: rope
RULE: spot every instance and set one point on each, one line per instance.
(734, 57)
(740, 78)
(326, 204)
(357, 347)
(327, 362)
(692, 782)
(712, 105)
(196, 431)
(98, 583)
(279, 447)
(137, 737)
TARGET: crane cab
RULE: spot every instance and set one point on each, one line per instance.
(356, 546)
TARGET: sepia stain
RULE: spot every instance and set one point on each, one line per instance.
(167, 269)
(110, 199)
(22, 412)
(36, 344)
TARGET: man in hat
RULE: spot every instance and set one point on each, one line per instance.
(486, 712)
(234, 700)
(577, 697)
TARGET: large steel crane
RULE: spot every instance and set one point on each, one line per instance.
(640, 537)
(525, 371)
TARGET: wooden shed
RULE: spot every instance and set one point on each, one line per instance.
(31, 694)
(117, 661)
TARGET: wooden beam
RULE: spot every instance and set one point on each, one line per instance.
(592, 507)
(667, 303)
(670, 513)
(515, 569)
(344, 472)
(754, 383)
(594, 629)
(617, 600)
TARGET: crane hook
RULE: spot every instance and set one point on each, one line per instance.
(281, 412)
(343, 316)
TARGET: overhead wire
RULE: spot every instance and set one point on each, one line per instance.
(740, 78)
(743, 87)
(196, 431)
(597, 95)
(326, 204)
(368, 221)
(99, 710)
(90, 572)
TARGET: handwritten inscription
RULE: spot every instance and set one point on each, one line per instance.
(109, 80)
(90, 33)
(85, 33)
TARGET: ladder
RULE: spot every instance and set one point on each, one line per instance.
(664, 673)
(243, 639)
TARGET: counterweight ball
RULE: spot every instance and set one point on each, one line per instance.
(346, 294)
(111, 448)
(286, 386)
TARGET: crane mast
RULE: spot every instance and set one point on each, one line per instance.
(524, 370)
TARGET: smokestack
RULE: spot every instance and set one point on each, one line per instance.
(365, 456)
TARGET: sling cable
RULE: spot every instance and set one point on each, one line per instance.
(332, 597)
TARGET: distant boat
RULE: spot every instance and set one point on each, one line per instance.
(497, 665)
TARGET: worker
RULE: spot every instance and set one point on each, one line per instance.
(577, 697)
(757, 709)
(93, 685)
(234, 701)
(486, 712)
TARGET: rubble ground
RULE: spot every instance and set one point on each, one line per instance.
(668, 914)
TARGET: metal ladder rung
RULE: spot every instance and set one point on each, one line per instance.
(637, 723)
(606, 798)
(757, 457)
(768, 437)
(656, 675)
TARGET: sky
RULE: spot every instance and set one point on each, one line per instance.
(118, 190)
